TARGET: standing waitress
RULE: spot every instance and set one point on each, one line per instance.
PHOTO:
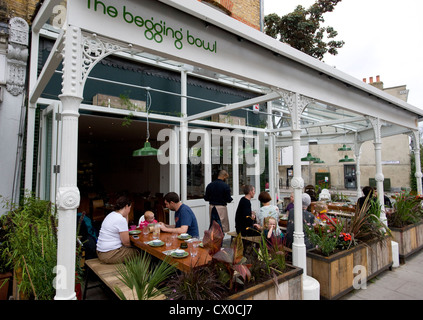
(114, 245)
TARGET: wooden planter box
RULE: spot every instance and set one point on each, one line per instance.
(336, 272)
(4, 287)
(289, 288)
(409, 238)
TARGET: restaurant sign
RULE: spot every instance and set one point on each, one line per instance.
(134, 22)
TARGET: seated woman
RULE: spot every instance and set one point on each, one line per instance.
(267, 210)
(114, 245)
(244, 217)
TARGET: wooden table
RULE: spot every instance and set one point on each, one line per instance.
(183, 264)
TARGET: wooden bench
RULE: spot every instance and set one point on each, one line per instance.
(108, 275)
(256, 239)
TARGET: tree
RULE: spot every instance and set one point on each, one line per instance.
(302, 29)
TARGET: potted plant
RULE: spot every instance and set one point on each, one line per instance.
(31, 246)
(341, 247)
(405, 221)
(5, 270)
(145, 281)
(231, 275)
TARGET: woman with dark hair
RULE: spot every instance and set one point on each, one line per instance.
(114, 245)
(244, 217)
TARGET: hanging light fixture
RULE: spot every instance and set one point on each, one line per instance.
(346, 159)
(247, 150)
(309, 158)
(318, 161)
(344, 148)
(147, 150)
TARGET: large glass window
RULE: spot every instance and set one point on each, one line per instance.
(195, 170)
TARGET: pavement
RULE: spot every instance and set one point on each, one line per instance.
(402, 283)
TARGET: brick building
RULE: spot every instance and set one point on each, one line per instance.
(249, 12)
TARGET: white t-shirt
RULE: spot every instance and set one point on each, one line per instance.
(109, 237)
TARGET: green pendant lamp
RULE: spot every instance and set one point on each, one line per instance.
(344, 148)
(318, 161)
(147, 150)
(346, 159)
(248, 149)
(309, 158)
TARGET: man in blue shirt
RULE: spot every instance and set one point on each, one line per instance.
(185, 220)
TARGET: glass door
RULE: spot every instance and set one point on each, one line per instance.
(49, 169)
(350, 179)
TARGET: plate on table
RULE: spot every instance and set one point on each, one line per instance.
(184, 238)
(132, 232)
(158, 244)
(174, 255)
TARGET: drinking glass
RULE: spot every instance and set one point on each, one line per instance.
(169, 241)
(156, 231)
(145, 230)
(194, 247)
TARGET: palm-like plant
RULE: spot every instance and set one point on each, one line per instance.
(407, 210)
(366, 223)
(142, 278)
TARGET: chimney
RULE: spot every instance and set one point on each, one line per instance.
(377, 84)
(364, 80)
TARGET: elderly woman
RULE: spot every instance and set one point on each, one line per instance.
(114, 245)
(308, 218)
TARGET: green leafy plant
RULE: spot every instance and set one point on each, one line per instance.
(407, 210)
(145, 280)
(366, 223)
(31, 245)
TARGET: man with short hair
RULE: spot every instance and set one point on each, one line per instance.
(218, 194)
(185, 220)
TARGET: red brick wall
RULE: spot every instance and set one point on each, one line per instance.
(246, 11)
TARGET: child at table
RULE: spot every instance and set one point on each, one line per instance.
(270, 231)
(148, 218)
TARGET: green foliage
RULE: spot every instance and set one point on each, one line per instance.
(407, 210)
(138, 274)
(329, 237)
(302, 29)
(366, 223)
(31, 245)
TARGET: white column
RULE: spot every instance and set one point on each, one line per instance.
(68, 194)
(357, 154)
(296, 104)
(418, 173)
(379, 177)
(184, 137)
(271, 156)
(297, 183)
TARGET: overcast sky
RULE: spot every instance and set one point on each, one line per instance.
(382, 37)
